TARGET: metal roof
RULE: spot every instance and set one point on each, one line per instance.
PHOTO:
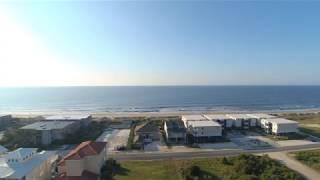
(239, 116)
(206, 123)
(216, 116)
(193, 117)
(282, 121)
(68, 117)
(21, 169)
(48, 125)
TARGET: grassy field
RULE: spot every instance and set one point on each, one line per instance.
(310, 158)
(303, 118)
(240, 167)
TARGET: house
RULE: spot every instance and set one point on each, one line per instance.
(279, 126)
(84, 162)
(148, 132)
(84, 120)
(222, 119)
(27, 164)
(260, 116)
(175, 131)
(204, 131)
(243, 121)
(187, 118)
(48, 131)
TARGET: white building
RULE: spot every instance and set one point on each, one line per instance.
(260, 116)
(48, 131)
(201, 129)
(204, 131)
(27, 164)
(222, 119)
(243, 120)
(279, 126)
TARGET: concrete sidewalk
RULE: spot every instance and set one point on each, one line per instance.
(306, 171)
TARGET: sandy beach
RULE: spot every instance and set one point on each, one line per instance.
(151, 114)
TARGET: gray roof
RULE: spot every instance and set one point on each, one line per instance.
(175, 126)
(47, 125)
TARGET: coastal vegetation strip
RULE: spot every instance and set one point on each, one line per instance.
(239, 167)
(309, 158)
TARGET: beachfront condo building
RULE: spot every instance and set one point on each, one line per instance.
(200, 129)
(243, 121)
(279, 126)
(45, 132)
(225, 121)
(83, 120)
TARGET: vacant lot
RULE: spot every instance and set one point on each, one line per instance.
(303, 118)
(240, 167)
(315, 131)
(310, 158)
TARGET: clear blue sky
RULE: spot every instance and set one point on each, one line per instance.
(167, 43)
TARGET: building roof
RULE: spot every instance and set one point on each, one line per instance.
(239, 116)
(87, 148)
(21, 153)
(68, 117)
(86, 175)
(282, 121)
(193, 117)
(175, 126)
(206, 123)
(147, 127)
(3, 149)
(21, 169)
(261, 116)
(216, 116)
(47, 125)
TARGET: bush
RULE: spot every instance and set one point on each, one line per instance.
(109, 169)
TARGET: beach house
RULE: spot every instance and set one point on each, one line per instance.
(175, 131)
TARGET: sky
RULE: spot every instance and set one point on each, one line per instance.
(82, 43)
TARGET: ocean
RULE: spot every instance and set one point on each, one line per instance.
(159, 99)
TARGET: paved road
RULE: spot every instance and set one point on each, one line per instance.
(295, 165)
(203, 154)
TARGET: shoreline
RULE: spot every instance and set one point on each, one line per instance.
(97, 114)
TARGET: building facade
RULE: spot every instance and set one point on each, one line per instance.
(175, 131)
(48, 131)
(279, 126)
(84, 162)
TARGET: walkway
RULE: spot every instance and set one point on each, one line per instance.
(295, 165)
